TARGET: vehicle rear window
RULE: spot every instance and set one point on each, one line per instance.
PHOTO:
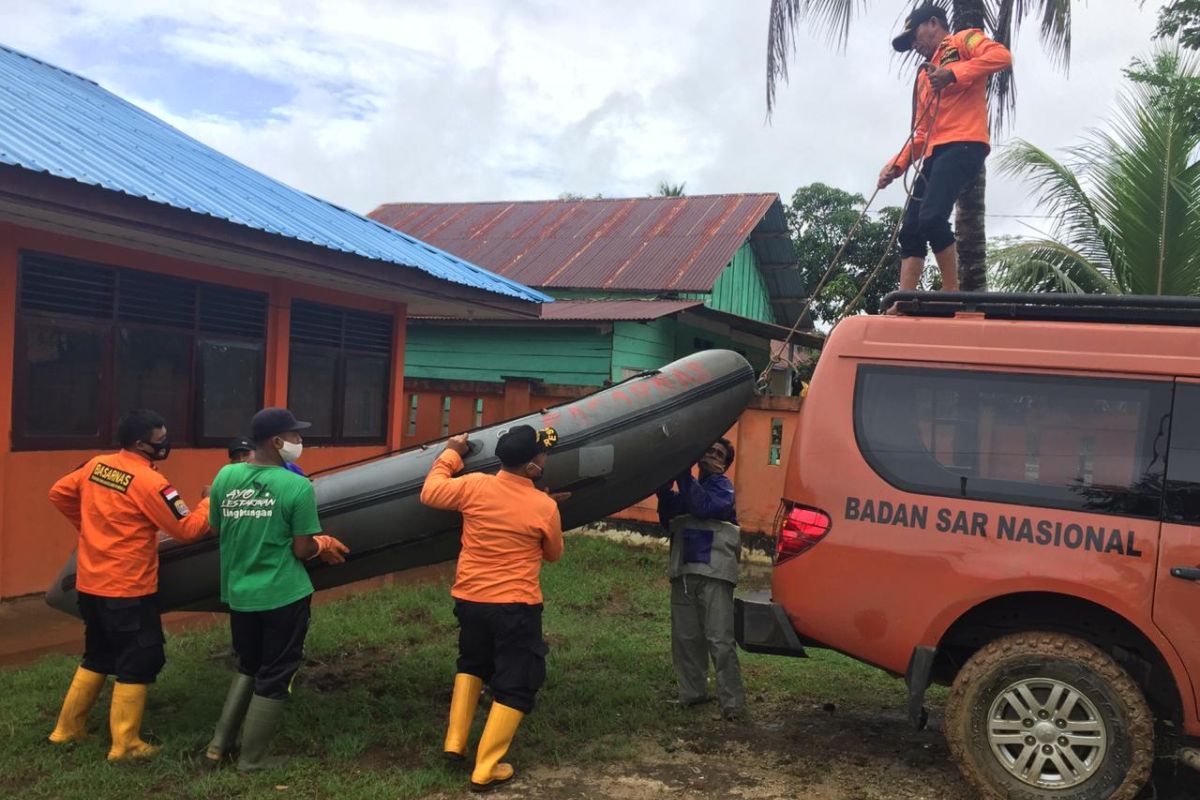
(1183, 461)
(1091, 444)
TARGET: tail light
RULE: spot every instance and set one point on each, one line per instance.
(800, 528)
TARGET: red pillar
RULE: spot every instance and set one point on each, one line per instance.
(518, 397)
(8, 328)
(279, 332)
(397, 401)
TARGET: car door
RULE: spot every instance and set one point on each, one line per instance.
(1177, 599)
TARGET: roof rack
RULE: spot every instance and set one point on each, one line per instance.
(1127, 309)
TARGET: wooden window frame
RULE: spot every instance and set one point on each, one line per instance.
(341, 353)
(184, 433)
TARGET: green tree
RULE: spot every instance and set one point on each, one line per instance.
(1000, 18)
(1181, 18)
(667, 189)
(819, 218)
(1126, 202)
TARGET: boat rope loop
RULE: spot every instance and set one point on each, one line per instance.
(914, 169)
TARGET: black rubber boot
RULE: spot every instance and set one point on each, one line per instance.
(262, 720)
(236, 702)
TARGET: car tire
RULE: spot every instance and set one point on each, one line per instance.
(1048, 716)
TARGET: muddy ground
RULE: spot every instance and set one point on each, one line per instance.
(810, 753)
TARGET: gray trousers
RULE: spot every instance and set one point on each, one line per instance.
(702, 626)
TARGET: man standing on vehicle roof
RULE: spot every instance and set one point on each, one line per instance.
(266, 518)
(118, 503)
(951, 132)
(509, 527)
(706, 546)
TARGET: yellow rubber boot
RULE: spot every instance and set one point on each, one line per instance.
(72, 720)
(462, 712)
(125, 722)
(497, 736)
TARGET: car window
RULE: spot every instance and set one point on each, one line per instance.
(1183, 459)
(1093, 444)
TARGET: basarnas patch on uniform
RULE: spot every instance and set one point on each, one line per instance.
(111, 477)
(174, 502)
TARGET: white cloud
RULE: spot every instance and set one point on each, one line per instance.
(519, 99)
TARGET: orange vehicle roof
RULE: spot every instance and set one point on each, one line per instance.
(970, 338)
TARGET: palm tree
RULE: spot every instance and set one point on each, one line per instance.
(1126, 203)
(667, 189)
(1000, 18)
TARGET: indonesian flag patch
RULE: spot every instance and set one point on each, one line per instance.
(174, 502)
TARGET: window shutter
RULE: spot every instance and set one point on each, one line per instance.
(334, 327)
(235, 312)
(369, 332)
(66, 287)
(316, 324)
(156, 299)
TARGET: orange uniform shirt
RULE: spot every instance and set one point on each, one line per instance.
(509, 527)
(119, 502)
(962, 113)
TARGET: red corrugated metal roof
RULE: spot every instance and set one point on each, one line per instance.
(615, 310)
(644, 244)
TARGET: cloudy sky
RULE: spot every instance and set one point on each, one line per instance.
(368, 101)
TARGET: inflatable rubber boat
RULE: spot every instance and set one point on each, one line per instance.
(615, 447)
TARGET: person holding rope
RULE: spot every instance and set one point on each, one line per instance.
(950, 132)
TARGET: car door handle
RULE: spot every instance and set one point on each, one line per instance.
(1186, 573)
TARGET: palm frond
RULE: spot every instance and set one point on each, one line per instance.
(1047, 266)
(1005, 17)
(1056, 32)
(836, 16)
(1059, 192)
(1128, 201)
(1148, 185)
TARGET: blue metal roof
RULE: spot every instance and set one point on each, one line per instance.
(57, 122)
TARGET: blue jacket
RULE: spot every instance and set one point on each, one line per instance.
(711, 497)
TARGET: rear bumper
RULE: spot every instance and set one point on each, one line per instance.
(761, 626)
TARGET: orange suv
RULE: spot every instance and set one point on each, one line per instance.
(1001, 493)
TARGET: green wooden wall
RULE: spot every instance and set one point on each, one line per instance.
(741, 289)
(585, 356)
(574, 356)
(689, 339)
(639, 346)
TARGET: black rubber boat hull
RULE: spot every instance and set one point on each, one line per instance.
(615, 447)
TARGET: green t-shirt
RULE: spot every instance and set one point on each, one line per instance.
(256, 511)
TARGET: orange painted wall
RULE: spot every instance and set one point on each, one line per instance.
(759, 484)
(34, 538)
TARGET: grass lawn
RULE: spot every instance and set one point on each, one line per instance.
(369, 707)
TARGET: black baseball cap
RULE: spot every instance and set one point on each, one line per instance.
(522, 444)
(240, 445)
(904, 42)
(274, 421)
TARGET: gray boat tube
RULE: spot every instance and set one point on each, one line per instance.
(615, 447)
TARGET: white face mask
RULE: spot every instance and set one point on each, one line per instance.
(290, 452)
